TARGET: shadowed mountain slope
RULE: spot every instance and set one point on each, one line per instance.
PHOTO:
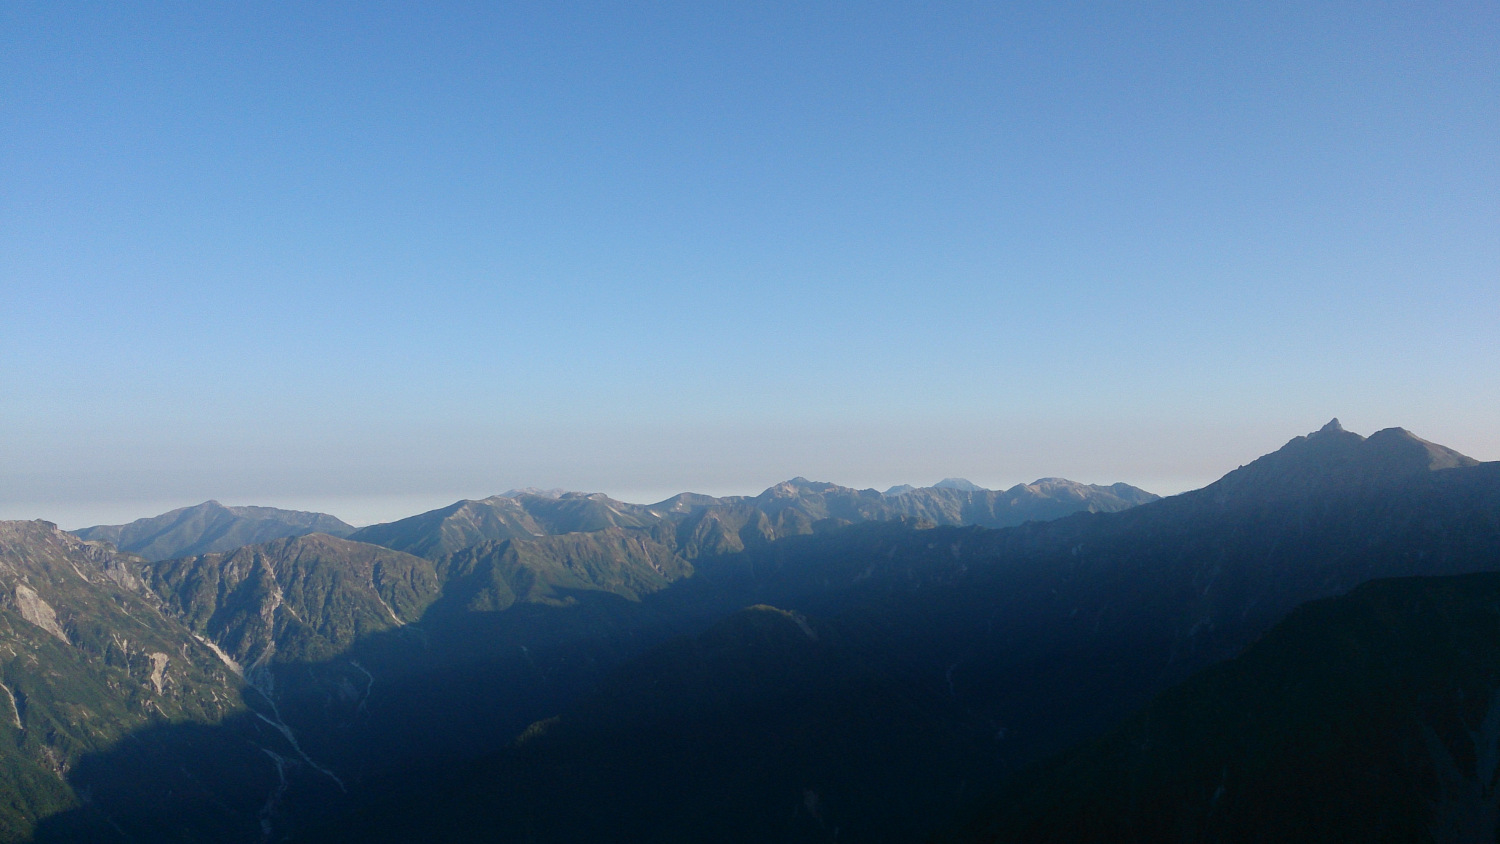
(768, 726)
(210, 527)
(1332, 460)
(372, 656)
(1030, 638)
(1370, 717)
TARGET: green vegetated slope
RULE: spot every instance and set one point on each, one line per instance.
(87, 659)
(302, 599)
(127, 678)
(493, 575)
(210, 527)
(1370, 717)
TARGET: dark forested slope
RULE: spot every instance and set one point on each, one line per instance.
(1370, 717)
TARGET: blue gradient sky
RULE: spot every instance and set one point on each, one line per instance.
(370, 258)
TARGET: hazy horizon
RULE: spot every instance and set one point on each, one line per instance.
(378, 256)
(361, 510)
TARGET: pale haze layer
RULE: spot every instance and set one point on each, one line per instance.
(369, 260)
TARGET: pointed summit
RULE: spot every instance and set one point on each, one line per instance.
(1333, 427)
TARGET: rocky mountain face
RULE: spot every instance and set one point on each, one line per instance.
(211, 527)
(302, 599)
(1374, 716)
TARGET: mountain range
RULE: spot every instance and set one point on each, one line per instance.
(719, 524)
(808, 664)
(522, 513)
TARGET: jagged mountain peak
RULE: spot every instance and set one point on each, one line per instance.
(1333, 458)
(1332, 427)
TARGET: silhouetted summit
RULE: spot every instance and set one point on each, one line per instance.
(1333, 459)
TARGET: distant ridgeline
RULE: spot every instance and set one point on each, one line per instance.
(210, 527)
(811, 664)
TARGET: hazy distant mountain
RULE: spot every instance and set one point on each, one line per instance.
(1041, 500)
(1370, 717)
(531, 490)
(960, 484)
(439, 532)
(705, 524)
(210, 527)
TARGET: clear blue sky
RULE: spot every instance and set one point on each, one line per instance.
(372, 257)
